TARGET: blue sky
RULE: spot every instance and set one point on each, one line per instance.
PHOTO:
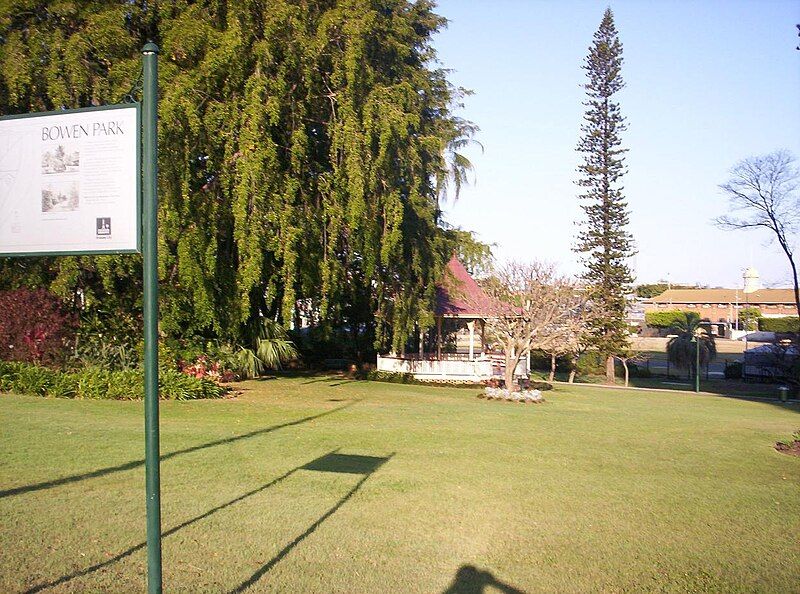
(708, 83)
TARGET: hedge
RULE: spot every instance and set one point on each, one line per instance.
(390, 377)
(664, 319)
(101, 384)
(786, 324)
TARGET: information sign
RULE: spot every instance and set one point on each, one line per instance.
(69, 182)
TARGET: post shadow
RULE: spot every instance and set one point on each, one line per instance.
(130, 551)
(471, 580)
(332, 462)
(75, 478)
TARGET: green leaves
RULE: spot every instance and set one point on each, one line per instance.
(604, 240)
(682, 348)
(303, 148)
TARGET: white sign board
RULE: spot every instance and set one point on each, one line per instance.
(69, 182)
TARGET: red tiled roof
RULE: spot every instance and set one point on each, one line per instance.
(725, 296)
(459, 295)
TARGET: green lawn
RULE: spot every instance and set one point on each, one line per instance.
(327, 485)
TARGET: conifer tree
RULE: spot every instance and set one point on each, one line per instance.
(604, 240)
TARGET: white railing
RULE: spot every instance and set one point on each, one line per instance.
(449, 369)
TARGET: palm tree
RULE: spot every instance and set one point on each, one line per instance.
(681, 349)
(271, 349)
(456, 166)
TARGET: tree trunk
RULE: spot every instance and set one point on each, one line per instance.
(511, 364)
(552, 367)
(573, 364)
(625, 366)
(610, 376)
(796, 286)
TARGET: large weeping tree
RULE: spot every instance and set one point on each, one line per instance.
(604, 240)
(303, 151)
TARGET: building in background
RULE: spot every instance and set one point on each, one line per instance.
(722, 306)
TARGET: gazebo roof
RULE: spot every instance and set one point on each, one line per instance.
(458, 295)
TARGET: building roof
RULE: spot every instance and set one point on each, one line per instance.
(458, 295)
(678, 296)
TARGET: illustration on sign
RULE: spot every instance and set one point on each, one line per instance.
(64, 176)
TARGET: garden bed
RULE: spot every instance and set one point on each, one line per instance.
(790, 447)
(522, 396)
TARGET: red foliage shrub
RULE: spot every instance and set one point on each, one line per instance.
(34, 326)
(204, 368)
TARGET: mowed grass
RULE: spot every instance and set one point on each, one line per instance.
(405, 489)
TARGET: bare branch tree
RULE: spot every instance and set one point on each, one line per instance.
(629, 356)
(762, 192)
(531, 305)
(573, 335)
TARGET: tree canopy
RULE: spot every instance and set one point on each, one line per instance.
(304, 151)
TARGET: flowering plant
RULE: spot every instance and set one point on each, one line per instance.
(203, 367)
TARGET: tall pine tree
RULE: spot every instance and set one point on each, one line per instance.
(603, 240)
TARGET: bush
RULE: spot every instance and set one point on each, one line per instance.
(733, 370)
(664, 319)
(541, 361)
(34, 327)
(319, 344)
(785, 324)
(591, 363)
(102, 384)
(107, 340)
(749, 317)
(390, 377)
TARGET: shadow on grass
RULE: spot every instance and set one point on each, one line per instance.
(330, 462)
(326, 376)
(137, 463)
(128, 552)
(344, 382)
(724, 388)
(471, 580)
(333, 462)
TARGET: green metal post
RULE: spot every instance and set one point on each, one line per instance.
(697, 365)
(150, 273)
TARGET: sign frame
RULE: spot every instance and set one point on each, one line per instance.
(105, 252)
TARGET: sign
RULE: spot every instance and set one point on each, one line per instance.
(69, 182)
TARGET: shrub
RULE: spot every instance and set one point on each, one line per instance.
(408, 378)
(541, 361)
(107, 340)
(34, 327)
(317, 344)
(749, 317)
(204, 367)
(664, 319)
(102, 384)
(733, 370)
(785, 324)
(33, 379)
(590, 363)
(174, 385)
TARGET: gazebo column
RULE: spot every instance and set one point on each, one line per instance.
(439, 338)
(471, 326)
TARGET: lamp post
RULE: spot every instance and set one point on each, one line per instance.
(696, 341)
